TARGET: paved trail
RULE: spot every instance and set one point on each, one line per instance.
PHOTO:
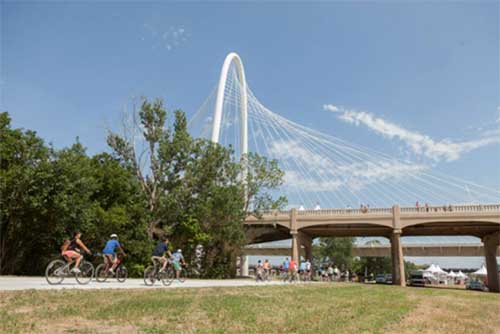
(39, 283)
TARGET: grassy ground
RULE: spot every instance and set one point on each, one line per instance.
(315, 308)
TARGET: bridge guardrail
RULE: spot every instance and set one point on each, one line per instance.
(384, 211)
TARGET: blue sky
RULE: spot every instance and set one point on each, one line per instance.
(430, 69)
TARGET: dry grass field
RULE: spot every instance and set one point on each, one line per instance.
(313, 308)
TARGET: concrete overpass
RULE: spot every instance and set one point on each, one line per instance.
(482, 221)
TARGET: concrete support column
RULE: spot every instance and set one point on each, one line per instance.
(244, 265)
(491, 243)
(295, 247)
(295, 236)
(398, 266)
(306, 241)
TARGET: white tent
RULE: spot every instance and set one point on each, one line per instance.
(440, 271)
(481, 271)
(431, 269)
(452, 274)
(461, 274)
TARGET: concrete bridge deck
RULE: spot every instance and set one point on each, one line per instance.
(482, 221)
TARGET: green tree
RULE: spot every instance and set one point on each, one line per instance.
(337, 250)
(158, 166)
(24, 167)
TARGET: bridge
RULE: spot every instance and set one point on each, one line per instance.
(482, 221)
(319, 167)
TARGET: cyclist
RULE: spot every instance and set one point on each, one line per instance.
(267, 268)
(72, 250)
(292, 269)
(178, 261)
(159, 253)
(109, 252)
(308, 269)
(302, 269)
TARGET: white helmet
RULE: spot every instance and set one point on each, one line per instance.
(179, 251)
(113, 236)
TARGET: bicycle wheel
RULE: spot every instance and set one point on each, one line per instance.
(182, 275)
(167, 277)
(101, 275)
(86, 273)
(150, 275)
(121, 274)
(54, 273)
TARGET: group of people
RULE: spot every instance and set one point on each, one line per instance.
(71, 250)
(329, 272)
(290, 268)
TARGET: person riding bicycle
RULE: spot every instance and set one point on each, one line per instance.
(178, 262)
(109, 252)
(308, 269)
(72, 250)
(159, 253)
(292, 268)
(267, 268)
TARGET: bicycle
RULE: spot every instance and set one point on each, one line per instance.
(182, 275)
(259, 275)
(284, 276)
(153, 273)
(102, 271)
(58, 270)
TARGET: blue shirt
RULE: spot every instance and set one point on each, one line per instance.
(303, 266)
(160, 249)
(177, 257)
(286, 264)
(111, 247)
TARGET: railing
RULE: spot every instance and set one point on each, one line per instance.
(453, 208)
(385, 211)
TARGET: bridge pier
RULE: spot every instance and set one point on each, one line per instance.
(306, 241)
(295, 247)
(491, 243)
(398, 264)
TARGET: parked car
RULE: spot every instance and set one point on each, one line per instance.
(417, 278)
(384, 279)
(380, 278)
(476, 285)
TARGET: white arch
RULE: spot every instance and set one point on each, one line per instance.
(219, 102)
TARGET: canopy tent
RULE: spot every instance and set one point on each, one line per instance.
(461, 274)
(440, 271)
(452, 274)
(481, 271)
(431, 269)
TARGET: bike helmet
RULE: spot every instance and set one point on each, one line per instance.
(179, 251)
(113, 236)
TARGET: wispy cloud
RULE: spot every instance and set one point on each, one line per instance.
(420, 144)
(316, 171)
(168, 39)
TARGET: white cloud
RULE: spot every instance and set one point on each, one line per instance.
(317, 171)
(420, 144)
